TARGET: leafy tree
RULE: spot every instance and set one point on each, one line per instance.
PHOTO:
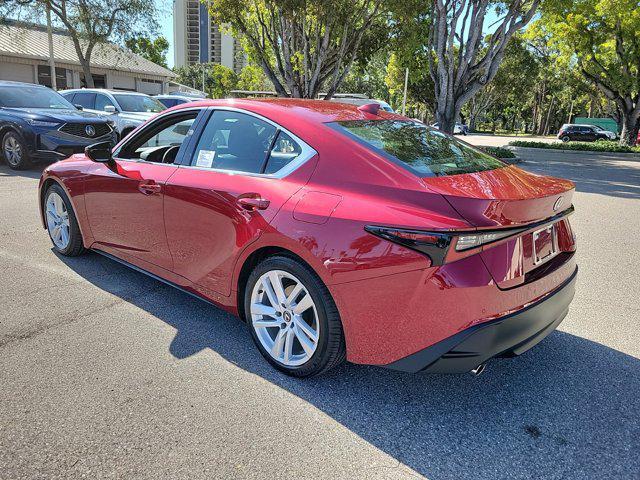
(368, 78)
(252, 78)
(90, 23)
(603, 36)
(153, 50)
(461, 59)
(218, 79)
(303, 46)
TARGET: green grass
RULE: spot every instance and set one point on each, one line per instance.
(498, 152)
(603, 146)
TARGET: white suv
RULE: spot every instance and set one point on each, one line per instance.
(126, 109)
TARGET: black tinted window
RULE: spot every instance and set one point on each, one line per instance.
(86, 99)
(168, 102)
(285, 150)
(424, 151)
(234, 141)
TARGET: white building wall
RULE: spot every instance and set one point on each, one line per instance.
(179, 33)
(16, 72)
(122, 82)
(227, 50)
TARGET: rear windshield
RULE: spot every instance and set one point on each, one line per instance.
(422, 150)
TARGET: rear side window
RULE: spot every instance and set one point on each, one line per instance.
(285, 150)
(421, 150)
(168, 102)
(87, 100)
(234, 141)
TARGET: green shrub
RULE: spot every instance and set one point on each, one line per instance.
(602, 146)
(499, 152)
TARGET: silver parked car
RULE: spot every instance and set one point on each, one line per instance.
(126, 109)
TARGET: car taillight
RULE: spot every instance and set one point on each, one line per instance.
(467, 242)
(434, 244)
(437, 245)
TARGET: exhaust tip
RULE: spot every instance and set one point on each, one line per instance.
(479, 369)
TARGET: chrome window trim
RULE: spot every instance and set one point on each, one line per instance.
(306, 154)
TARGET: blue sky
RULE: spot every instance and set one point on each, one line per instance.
(165, 10)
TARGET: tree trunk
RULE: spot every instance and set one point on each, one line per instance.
(86, 70)
(630, 126)
(472, 122)
(446, 116)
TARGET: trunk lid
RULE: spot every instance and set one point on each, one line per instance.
(510, 197)
(504, 197)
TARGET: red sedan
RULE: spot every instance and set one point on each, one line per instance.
(334, 231)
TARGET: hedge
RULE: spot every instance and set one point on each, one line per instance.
(498, 152)
(601, 146)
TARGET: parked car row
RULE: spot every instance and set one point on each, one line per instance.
(39, 124)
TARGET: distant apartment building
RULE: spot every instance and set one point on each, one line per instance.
(198, 39)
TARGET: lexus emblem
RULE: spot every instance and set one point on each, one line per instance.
(89, 130)
(558, 204)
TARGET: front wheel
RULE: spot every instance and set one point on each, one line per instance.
(292, 317)
(62, 224)
(15, 151)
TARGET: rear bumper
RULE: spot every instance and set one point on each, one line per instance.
(510, 335)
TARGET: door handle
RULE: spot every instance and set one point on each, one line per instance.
(149, 188)
(253, 203)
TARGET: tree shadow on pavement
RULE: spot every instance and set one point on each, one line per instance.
(566, 409)
(603, 174)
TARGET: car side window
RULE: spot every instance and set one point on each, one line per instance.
(102, 101)
(285, 150)
(160, 141)
(234, 141)
(86, 99)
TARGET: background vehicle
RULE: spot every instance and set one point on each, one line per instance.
(127, 110)
(171, 100)
(582, 133)
(333, 230)
(459, 129)
(37, 123)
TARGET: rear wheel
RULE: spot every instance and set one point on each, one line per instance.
(293, 319)
(15, 151)
(565, 138)
(62, 224)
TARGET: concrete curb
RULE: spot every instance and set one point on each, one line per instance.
(621, 155)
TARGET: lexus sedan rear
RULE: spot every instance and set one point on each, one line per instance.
(335, 231)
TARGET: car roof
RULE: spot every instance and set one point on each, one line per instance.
(10, 83)
(283, 109)
(103, 90)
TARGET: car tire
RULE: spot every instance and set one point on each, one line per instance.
(62, 224)
(565, 139)
(285, 333)
(14, 151)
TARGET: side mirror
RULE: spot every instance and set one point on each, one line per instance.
(110, 109)
(78, 106)
(99, 152)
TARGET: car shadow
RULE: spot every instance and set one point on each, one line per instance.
(34, 171)
(566, 409)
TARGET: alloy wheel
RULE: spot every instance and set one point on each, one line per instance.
(12, 150)
(57, 220)
(285, 318)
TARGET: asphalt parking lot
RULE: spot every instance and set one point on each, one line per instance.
(105, 373)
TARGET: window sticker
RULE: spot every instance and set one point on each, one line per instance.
(205, 158)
